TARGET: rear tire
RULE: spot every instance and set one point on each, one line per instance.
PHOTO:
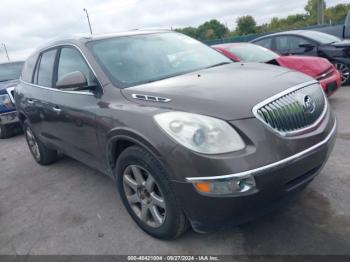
(5, 132)
(155, 209)
(40, 152)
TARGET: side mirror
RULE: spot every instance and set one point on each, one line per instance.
(74, 80)
(307, 46)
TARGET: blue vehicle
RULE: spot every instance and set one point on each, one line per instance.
(9, 75)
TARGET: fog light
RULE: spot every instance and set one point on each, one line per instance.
(231, 186)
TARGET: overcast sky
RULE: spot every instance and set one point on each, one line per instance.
(27, 25)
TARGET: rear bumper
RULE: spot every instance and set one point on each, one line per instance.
(9, 118)
(276, 183)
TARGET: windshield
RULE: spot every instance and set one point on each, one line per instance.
(138, 59)
(252, 53)
(321, 37)
(10, 71)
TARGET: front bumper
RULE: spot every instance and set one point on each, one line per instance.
(9, 118)
(331, 84)
(276, 181)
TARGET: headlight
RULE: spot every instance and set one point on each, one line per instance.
(5, 101)
(200, 133)
(230, 186)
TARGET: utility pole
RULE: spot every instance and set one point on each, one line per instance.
(320, 12)
(7, 55)
(87, 16)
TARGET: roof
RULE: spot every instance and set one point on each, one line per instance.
(79, 39)
(291, 32)
(86, 38)
(225, 45)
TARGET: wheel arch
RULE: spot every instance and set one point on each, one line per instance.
(22, 117)
(120, 139)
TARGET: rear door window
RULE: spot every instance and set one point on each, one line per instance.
(44, 70)
(286, 44)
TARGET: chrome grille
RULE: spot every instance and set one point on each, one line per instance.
(294, 111)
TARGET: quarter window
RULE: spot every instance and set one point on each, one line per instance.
(28, 68)
(266, 42)
(70, 61)
(43, 74)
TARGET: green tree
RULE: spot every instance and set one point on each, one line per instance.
(337, 13)
(246, 25)
(312, 7)
(190, 31)
(212, 29)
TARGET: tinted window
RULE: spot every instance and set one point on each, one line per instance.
(286, 43)
(71, 60)
(252, 53)
(138, 59)
(321, 37)
(45, 69)
(10, 71)
(28, 68)
(267, 42)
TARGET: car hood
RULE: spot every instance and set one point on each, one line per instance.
(228, 92)
(343, 43)
(6, 84)
(312, 66)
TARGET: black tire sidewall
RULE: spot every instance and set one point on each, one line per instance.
(5, 132)
(47, 156)
(138, 156)
(25, 127)
(347, 82)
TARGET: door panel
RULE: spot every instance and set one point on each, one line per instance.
(72, 120)
(37, 102)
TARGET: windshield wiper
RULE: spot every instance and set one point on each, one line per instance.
(4, 80)
(219, 64)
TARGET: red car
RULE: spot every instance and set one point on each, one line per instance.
(316, 67)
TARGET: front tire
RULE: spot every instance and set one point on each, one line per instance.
(41, 153)
(344, 71)
(146, 193)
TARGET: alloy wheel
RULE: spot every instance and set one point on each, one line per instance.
(344, 72)
(144, 196)
(32, 143)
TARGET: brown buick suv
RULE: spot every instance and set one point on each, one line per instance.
(191, 138)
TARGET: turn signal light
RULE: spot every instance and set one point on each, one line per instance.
(203, 187)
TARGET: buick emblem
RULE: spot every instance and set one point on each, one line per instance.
(309, 104)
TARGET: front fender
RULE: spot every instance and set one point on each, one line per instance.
(127, 134)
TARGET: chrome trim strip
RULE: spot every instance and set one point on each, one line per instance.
(279, 95)
(65, 91)
(269, 166)
(58, 90)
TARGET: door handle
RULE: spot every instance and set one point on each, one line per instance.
(57, 109)
(30, 101)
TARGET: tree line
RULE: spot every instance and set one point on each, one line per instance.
(214, 29)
